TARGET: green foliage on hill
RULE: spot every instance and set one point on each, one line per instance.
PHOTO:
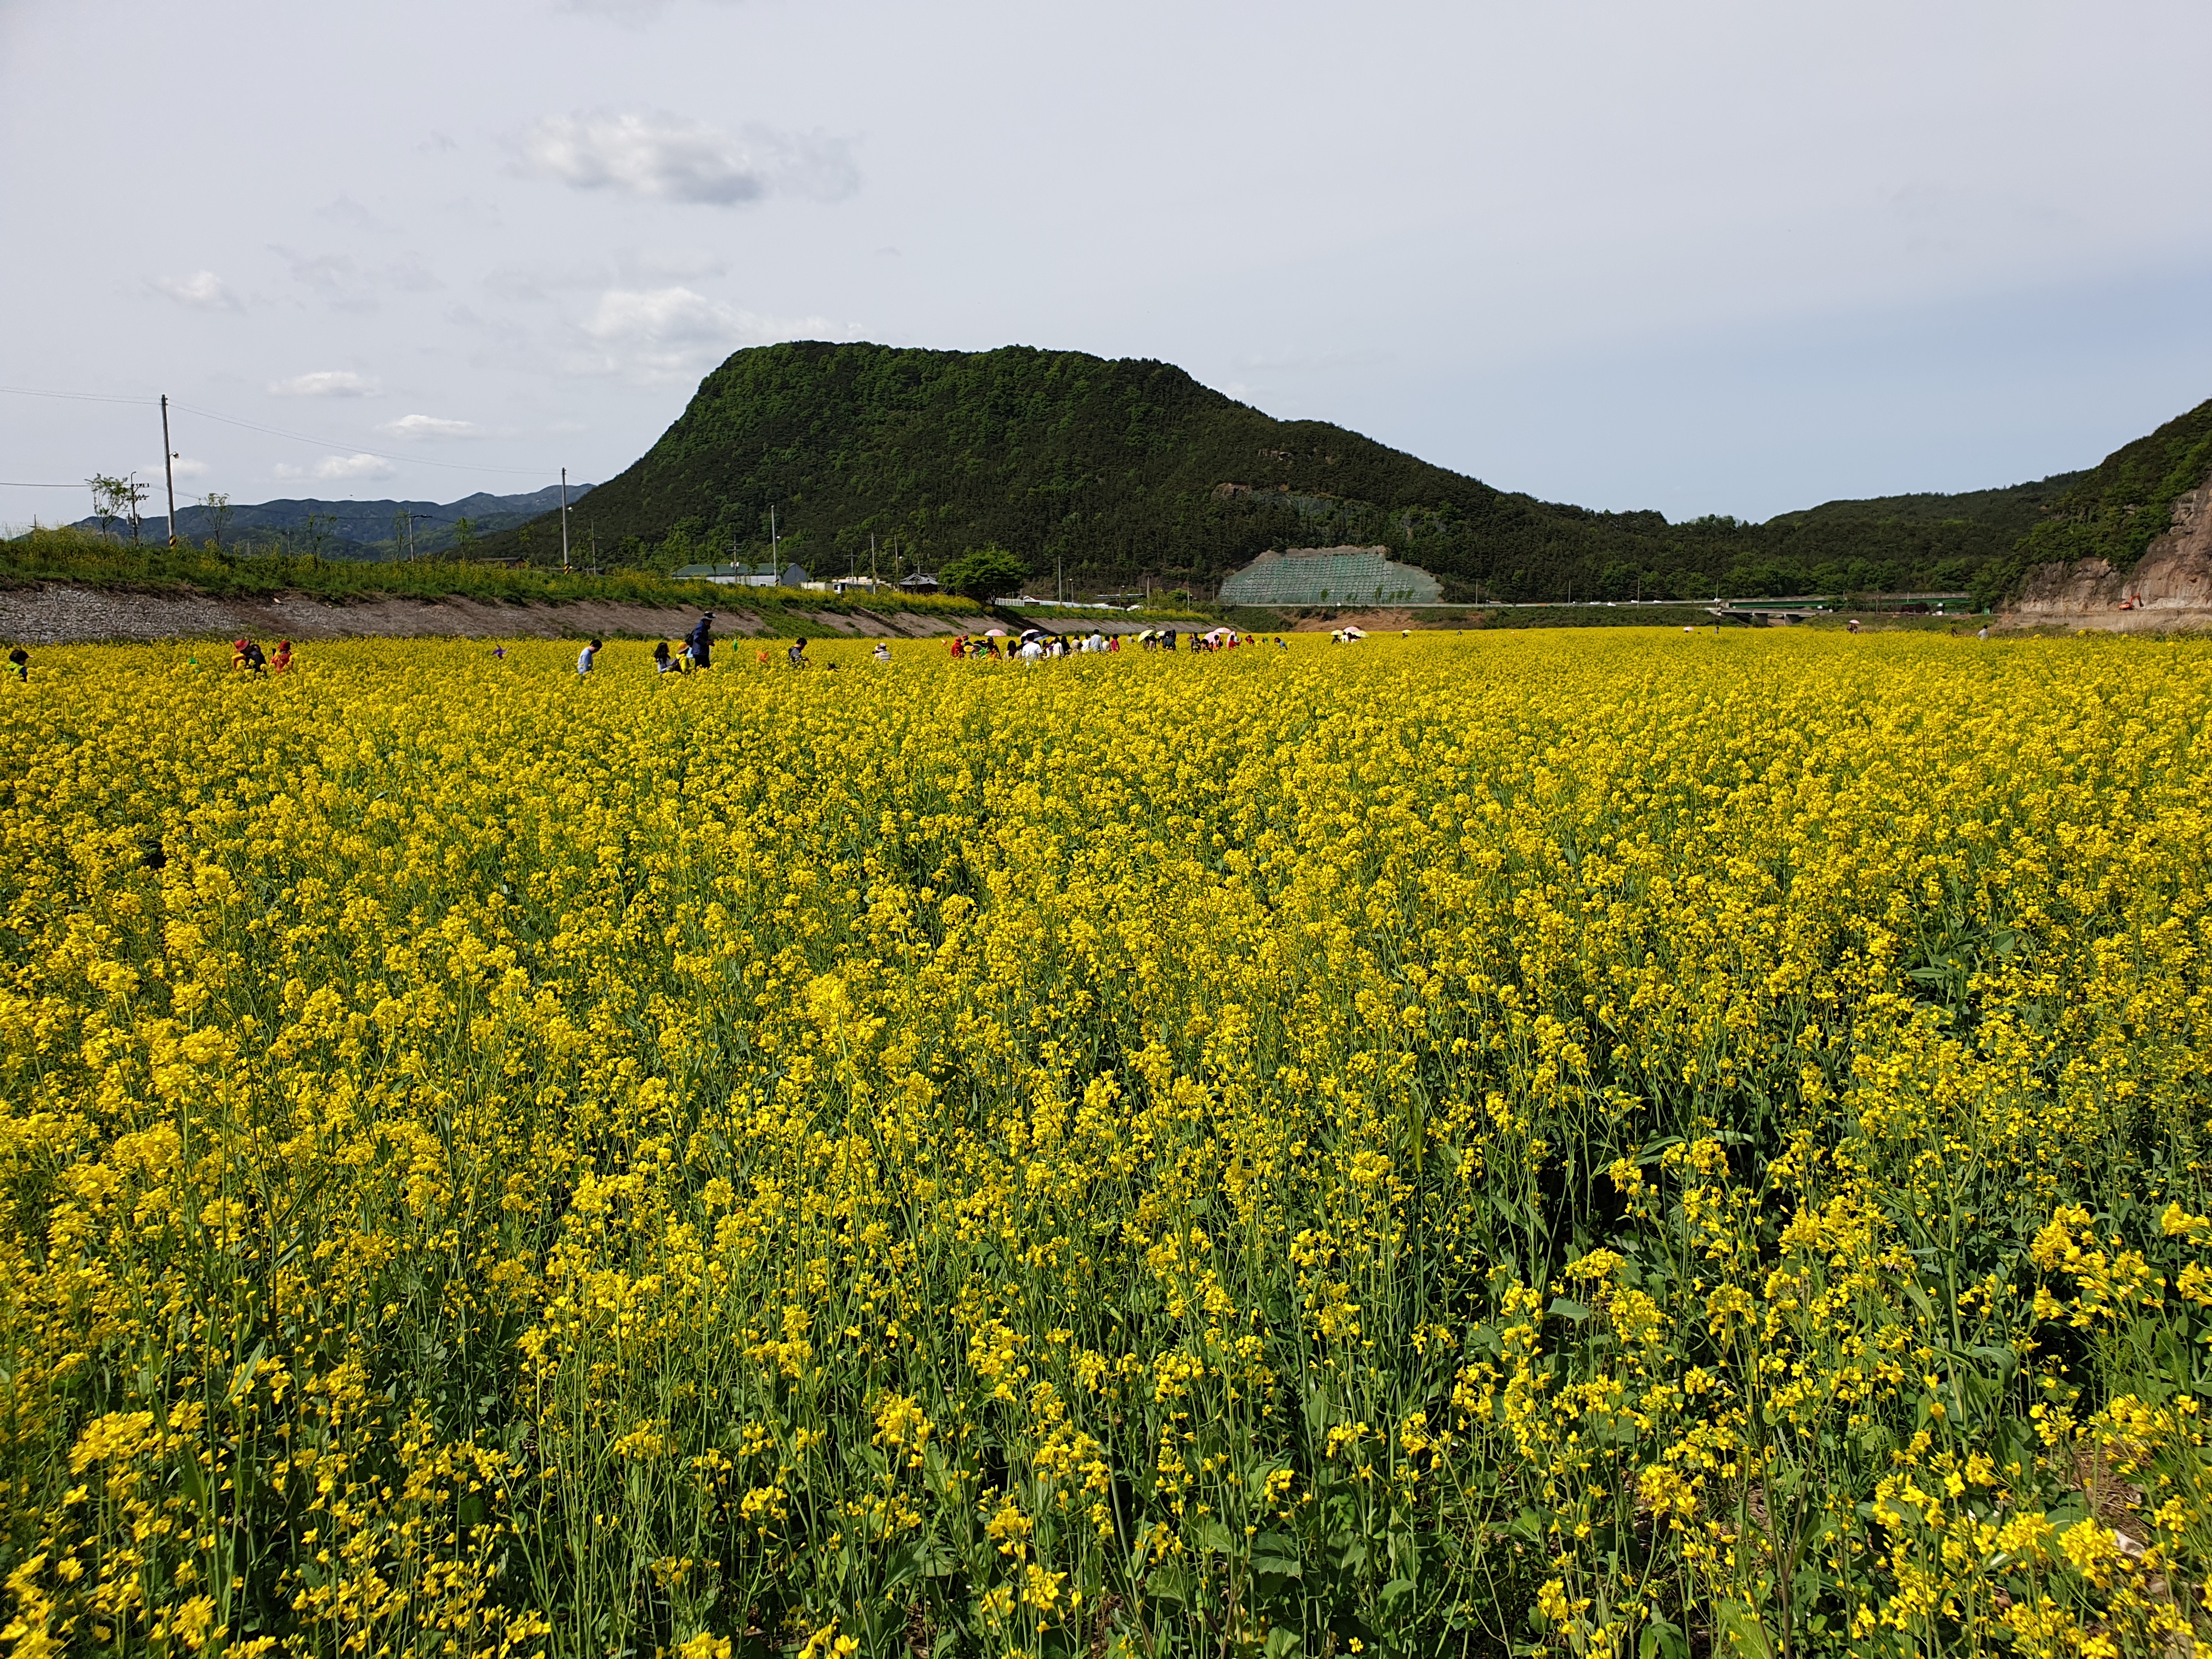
(69, 554)
(347, 529)
(2117, 508)
(1113, 471)
(985, 573)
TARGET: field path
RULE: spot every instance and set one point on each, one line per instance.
(61, 614)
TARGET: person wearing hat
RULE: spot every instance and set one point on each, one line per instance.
(701, 641)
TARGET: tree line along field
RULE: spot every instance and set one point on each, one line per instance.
(1624, 1143)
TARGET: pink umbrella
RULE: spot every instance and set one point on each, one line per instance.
(995, 633)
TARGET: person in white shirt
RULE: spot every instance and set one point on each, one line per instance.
(584, 657)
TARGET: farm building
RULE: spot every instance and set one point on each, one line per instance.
(1330, 575)
(763, 574)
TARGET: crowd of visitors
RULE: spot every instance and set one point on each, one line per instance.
(247, 657)
(1036, 644)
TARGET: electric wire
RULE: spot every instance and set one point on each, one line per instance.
(270, 431)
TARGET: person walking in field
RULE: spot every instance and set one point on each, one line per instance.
(247, 654)
(19, 665)
(282, 660)
(882, 653)
(585, 657)
(700, 641)
(796, 655)
(661, 663)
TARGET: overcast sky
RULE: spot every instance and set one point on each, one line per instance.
(1707, 257)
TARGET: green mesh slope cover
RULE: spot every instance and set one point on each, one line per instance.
(1330, 575)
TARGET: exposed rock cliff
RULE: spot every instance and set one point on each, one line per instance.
(2170, 587)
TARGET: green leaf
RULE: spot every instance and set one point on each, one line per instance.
(1276, 1553)
(1741, 1629)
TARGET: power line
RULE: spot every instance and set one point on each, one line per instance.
(79, 397)
(332, 443)
(272, 432)
(10, 484)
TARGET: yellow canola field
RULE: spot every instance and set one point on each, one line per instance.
(1610, 1143)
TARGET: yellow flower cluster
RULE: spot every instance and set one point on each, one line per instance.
(1621, 1143)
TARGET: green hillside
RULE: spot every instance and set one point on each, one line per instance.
(2121, 505)
(1125, 468)
(344, 529)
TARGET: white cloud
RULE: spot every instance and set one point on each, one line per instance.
(411, 275)
(351, 212)
(203, 290)
(428, 426)
(631, 14)
(184, 467)
(670, 158)
(667, 333)
(635, 13)
(327, 383)
(349, 286)
(341, 467)
(625, 268)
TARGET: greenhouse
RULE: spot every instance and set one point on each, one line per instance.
(1330, 575)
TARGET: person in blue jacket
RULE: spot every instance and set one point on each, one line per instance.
(701, 640)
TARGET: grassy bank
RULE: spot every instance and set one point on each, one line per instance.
(71, 556)
(1461, 617)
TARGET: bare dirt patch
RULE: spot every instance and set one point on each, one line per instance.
(62, 614)
(1372, 622)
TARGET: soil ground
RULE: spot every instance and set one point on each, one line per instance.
(60, 614)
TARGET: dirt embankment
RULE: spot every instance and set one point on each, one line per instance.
(2170, 588)
(61, 614)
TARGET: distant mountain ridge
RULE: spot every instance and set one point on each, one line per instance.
(349, 529)
(1107, 472)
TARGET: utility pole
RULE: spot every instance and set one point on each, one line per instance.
(774, 555)
(872, 582)
(168, 471)
(564, 518)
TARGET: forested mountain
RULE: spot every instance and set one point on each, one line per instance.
(1129, 468)
(2118, 507)
(349, 530)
